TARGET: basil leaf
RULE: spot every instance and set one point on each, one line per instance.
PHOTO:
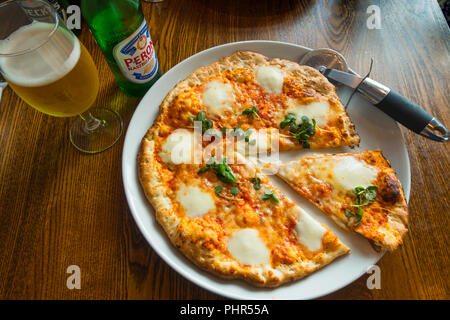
(305, 120)
(201, 116)
(266, 197)
(290, 117)
(312, 130)
(358, 199)
(224, 172)
(359, 213)
(234, 191)
(289, 120)
(256, 183)
(364, 196)
(251, 112)
(303, 136)
(269, 195)
(206, 123)
(348, 214)
(358, 190)
(218, 189)
(204, 169)
(302, 132)
(359, 216)
(284, 123)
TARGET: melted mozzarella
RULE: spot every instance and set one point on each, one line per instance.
(320, 111)
(178, 147)
(309, 231)
(218, 97)
(194, 201)
(344, 173)
(290, 169)
(270, 78)
(247, 248)
(350, 172)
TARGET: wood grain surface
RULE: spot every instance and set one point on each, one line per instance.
(59, 207)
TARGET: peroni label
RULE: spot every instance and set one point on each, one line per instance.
(136, 57)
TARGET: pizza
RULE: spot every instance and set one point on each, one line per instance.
(359, 191)
(250, 92)
(216, 206)
(244, 227)
(239, 227)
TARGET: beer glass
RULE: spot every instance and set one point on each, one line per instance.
(46, 65)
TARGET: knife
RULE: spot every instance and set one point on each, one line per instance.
(392, 103)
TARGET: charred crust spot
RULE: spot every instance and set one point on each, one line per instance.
(390, 190)
(370, 159)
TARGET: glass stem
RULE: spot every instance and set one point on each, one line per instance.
(91, 123)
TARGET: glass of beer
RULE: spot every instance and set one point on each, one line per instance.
(46, 65)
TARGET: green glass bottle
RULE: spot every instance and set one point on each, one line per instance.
(120, 29)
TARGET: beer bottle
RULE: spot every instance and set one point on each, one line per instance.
(120, 29)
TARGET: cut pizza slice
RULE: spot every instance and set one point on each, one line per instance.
(248, 91)
(359, 191)
(228, 218)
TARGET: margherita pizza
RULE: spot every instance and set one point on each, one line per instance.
(217, 207)
(249, 91)
(359, 191)
(230, 220)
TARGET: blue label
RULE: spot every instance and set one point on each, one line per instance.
(130, 48)
(136, 57)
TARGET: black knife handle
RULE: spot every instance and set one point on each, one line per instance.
(405, 111)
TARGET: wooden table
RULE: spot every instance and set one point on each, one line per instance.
(59, 207)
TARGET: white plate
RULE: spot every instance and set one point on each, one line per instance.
(376, 129)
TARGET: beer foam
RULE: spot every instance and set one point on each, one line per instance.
(49, 62)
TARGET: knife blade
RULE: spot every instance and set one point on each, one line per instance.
(392, 103)
(341, 77)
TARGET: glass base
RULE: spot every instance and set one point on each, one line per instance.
(96, 130)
